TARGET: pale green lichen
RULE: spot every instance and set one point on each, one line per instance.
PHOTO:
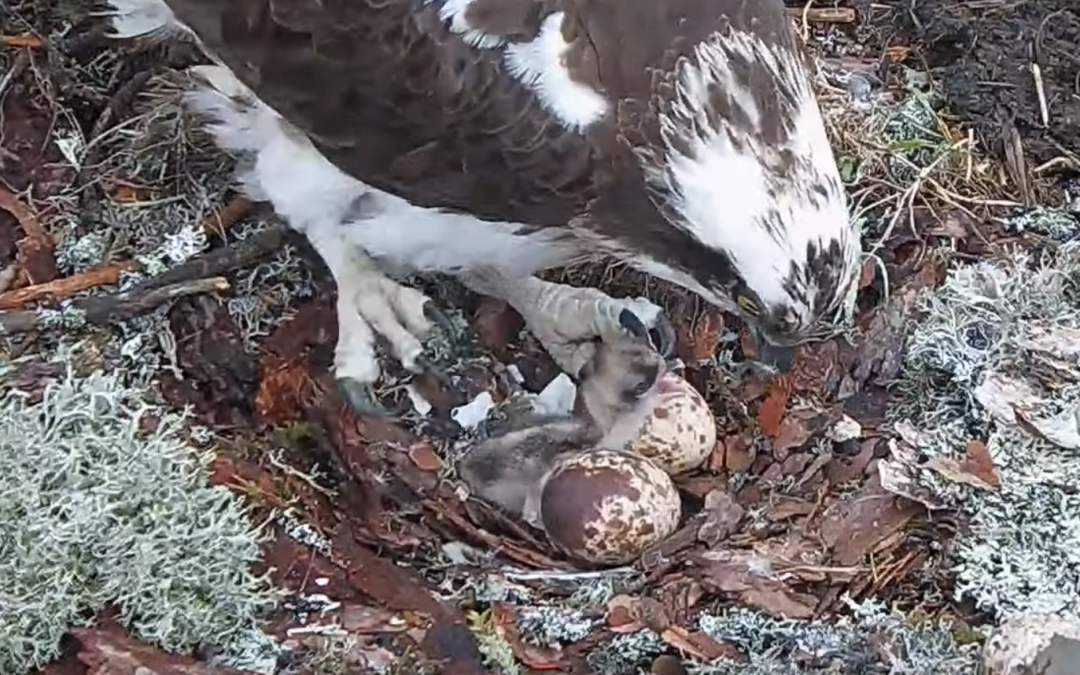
(872, 641)
(1020, 551)
(97, 510)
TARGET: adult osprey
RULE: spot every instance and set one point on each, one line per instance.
(493, 139)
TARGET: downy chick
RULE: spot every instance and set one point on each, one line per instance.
(618, 392)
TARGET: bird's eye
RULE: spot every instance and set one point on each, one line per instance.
(747, 305)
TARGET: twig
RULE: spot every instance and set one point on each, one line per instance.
(234, 212)
(222, 260)
(22, 60)
(66, 287)
(174, 283)
(29, 223)
(823, 14)
(28, 41)
(215, 262)
(1040, 92)
(110, 309)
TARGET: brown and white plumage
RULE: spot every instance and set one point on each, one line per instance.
(497, 138)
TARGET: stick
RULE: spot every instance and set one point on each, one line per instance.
(1040, 93)
(186, 279)
(234, 212)
(66, 287)
(222, 260)
(239, 256)
(110, 309)
(28, 41)
(29, 223)
(823, 14)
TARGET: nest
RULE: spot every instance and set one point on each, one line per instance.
(810, 517)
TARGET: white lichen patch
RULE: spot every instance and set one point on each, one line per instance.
(872, 641)
(981, 354)
(96, 511)
(265, 294)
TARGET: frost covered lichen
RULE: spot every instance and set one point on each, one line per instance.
(97, 510)
(872, 641)
(996, 359)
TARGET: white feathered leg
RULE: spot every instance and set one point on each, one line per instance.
(568, 320)
(317, 199)
(370, 305)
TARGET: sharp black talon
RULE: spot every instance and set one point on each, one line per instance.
(662, 337)
(361, 398)
(633, 325)
(436, 315)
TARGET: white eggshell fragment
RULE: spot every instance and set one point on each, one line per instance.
(680, 433)
(606, 507)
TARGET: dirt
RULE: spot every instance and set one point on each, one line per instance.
(981, 52)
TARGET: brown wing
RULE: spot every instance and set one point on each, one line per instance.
(395, 99)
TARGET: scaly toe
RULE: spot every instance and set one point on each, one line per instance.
(361, 397)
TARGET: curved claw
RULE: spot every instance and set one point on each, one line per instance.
(662, 337)
(361, 398)
(632, 324)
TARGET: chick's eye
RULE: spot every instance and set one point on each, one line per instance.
(642, 388)
(747, 305)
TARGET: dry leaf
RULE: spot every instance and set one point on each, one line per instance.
(716, 458)
(869, 271)
(698, 644)
(773, 408)
(791, 434)
(979, 463)
(622, 610)
(952, 470)
(425, 458)
(856, 525)
(739, 453)
(1062, 430)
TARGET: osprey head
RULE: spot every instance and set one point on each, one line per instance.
(744, 172)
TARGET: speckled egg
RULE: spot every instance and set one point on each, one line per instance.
(680, 434)
(606, 507)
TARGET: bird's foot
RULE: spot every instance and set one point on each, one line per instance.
(373, 308)
(569, 320)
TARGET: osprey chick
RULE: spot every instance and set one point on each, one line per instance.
(495, 139)
(618, 390)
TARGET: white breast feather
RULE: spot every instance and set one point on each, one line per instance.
(722, 192)
(540, 65)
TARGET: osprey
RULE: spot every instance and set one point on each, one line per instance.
(495, 139)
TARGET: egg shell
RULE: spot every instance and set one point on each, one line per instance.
(607, 506)
(680, 433)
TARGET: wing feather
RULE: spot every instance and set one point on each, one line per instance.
(394, 98)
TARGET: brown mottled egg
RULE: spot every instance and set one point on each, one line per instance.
(606, 507)
(680, 434)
